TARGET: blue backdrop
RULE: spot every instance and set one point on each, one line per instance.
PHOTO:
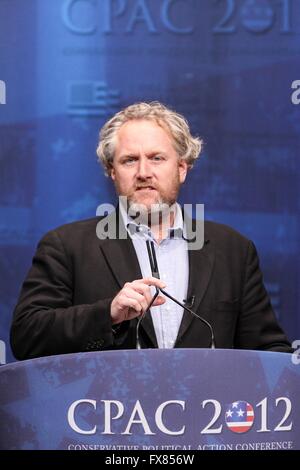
(227, 65)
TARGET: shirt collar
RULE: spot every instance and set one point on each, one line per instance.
(136, 230)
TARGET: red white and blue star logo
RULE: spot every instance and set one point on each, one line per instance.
(239, 416)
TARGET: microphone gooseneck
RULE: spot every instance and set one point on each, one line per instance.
(137, 332)
(155, 273)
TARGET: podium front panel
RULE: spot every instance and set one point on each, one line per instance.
(179, 399)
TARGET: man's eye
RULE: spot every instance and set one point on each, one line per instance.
(156, 158)
(129, 160)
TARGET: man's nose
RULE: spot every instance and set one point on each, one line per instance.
(144, 168)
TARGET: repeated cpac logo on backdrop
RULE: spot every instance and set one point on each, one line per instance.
(113, 417)
(227, 17)
(86, 17)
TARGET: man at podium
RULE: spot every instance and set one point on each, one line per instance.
(144, 282)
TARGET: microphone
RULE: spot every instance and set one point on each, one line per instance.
(191, 300)
(155, 273)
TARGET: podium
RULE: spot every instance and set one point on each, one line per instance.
(178, 399)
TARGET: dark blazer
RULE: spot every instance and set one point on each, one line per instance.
(64, 305)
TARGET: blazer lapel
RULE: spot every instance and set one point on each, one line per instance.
(200, 270)
(120, 255)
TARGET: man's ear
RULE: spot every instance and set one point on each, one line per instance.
(183, 169)
(112, 173)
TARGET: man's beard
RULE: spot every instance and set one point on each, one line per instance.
(151, 215)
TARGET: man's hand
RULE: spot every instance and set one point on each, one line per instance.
(134, 299)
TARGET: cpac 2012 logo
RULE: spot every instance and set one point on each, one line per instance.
(112, 417)
(239, 416)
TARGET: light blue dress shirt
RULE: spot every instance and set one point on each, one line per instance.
(173, 265)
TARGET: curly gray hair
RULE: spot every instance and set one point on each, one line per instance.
(187, 146)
